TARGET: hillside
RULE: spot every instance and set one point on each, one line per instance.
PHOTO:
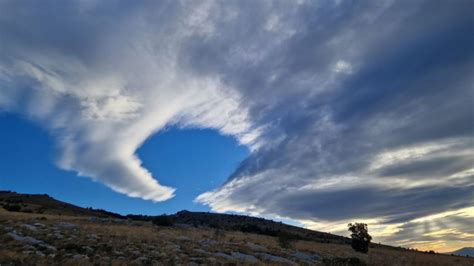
(44, 204)
(252, 225)
(54, 232)
(467, 251)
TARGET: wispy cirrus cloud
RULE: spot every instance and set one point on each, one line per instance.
(351, 110)
(104, 80)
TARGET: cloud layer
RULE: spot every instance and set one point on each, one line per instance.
(351, 110)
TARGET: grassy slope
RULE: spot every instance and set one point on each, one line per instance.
(156, 243)
(120, 243)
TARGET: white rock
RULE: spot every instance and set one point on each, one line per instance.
(183, 238)
(306, 256)
(29, 227)
(67, 225)
(39, 225)
(273, 258)
(24, 239)
(223, 255)
(244, 257)
(254, 246)
(79, 257)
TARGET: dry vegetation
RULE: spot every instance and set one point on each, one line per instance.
(67, 240)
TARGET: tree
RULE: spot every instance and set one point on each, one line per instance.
(360, 237)
(12, 207)
(163, 220)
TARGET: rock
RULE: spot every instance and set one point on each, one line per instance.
(195, 259)
(29, 227)
(183, 238)
(28, 247)
(49, 247)
(25, 239)
(174, 248)
(136, 253)
(39, 225)
(39, 253)
(87, 249)
(93, 236)
(306, 256)
(39, 244)
(80, 257)
(211, 260)
(67, 225)
(164, 234)
(98, 219)
(273, 258)
(255, 246)
(202, 251)
(244, 257)
(142, 259)
(118, 253)
(207, 242)
(223, 255)
(192, 263)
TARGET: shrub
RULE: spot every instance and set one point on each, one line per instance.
(353, 261)
(251, 228)
(12, 207)
(285, 239)
(211, 225)
(360, 237)
(163, 220)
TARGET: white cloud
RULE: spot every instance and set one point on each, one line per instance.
(343, 66)
(102, 108)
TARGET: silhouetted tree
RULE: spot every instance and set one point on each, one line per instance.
(360, 237)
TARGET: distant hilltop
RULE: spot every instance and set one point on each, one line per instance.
(44, 204)
(467, 251)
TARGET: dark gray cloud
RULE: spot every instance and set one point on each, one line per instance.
(403, 93)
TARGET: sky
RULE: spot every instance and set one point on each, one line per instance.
(318, 113)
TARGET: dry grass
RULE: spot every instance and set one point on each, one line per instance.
(150, 238)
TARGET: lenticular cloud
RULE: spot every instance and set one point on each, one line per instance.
(103, 81)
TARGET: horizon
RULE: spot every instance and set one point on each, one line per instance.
(317, 114)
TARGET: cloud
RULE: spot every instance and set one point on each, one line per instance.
(351, 110)
(104, 80)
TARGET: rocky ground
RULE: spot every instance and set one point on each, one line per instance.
(75, 240)
(66, 240)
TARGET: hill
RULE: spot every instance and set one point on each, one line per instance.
(44, 204)
(467, 251)
(37, 229)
